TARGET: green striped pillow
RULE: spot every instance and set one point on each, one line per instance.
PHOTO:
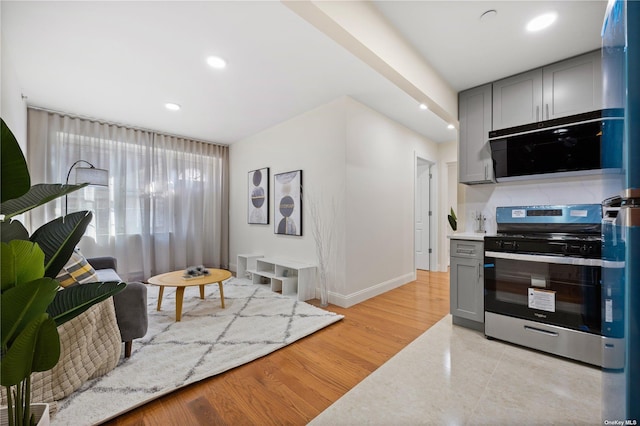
(77, 270)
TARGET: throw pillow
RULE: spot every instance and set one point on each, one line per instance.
(77, 270)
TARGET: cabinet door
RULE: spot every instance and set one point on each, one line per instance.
(474, 157)
(467, 288)
(517, 100)
(573, 86)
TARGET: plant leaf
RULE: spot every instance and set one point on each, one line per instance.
(36, 196)
(72, 301)
(22, 262)
(452, 222)
(47, 350)
(16, 364)
(21, 304)
(59, 238)
(8, 268)
(453, 214)
(13, 166)
(12, 230)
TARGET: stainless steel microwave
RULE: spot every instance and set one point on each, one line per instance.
(580, 144)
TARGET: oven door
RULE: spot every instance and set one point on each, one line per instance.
(562, 291)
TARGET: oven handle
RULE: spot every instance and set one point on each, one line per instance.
(541, 331)
(545, 258)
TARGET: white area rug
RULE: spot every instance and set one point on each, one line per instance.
(208, 341)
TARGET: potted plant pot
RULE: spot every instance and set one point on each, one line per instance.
(40, 413)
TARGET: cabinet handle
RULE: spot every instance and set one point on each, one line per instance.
(465, 251)
(485, 172)
(537, 112)
(547, 105)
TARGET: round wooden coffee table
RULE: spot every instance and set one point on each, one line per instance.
(174, 279)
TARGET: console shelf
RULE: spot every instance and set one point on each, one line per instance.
(290, 278)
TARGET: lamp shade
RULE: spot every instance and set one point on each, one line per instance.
(92, 175)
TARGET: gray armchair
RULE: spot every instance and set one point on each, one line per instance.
(130, 304)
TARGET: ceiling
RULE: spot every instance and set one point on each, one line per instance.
(121, 61)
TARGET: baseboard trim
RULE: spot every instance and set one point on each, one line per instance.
(346, 301)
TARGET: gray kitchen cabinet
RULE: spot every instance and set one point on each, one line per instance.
(573, 86)
(569, 87)
(474, 156)
(517, 100)
(466, 278)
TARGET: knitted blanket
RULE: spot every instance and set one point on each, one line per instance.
(90, 347)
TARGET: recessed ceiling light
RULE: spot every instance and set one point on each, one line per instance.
(171, 106)
(451, 126)
(423, 106)
(541, 22)
(216, 62)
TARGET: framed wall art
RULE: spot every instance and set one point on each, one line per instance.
(258, 204)
(287, 209)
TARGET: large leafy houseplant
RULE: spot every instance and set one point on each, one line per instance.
(31, 301)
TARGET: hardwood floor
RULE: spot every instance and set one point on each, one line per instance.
(296, 383)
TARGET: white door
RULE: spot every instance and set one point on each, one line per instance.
(423, 249)
(452, 199)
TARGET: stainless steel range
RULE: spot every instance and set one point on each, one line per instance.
(543, 273)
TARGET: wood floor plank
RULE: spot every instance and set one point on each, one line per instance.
(296, 383)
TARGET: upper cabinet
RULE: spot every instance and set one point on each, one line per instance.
(564, 88)
(474, 157)
(573, 86)
(517, 100)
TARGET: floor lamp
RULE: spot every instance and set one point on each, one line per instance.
(90, 175)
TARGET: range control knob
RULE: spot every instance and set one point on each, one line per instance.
(585, 249)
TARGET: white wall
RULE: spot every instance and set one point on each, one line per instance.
(313, 142)
(362, 159)
(381, 170)
(13, 107)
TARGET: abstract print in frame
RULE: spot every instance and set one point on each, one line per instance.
(258, 205)
(288, 203)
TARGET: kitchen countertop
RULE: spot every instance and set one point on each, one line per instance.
(475, 236)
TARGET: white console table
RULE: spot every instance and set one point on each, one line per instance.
(291, 278)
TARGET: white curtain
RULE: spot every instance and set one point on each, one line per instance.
(166, 207)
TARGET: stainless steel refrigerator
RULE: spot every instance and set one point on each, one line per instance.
(621, 225)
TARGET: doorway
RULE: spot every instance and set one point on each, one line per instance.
(423, 215)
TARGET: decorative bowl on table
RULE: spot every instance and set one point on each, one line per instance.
(195, 272)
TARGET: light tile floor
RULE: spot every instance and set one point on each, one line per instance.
(454, 376)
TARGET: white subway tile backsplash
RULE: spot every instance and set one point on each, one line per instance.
(576, 190)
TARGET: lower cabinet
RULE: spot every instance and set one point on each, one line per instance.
(467, 283)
